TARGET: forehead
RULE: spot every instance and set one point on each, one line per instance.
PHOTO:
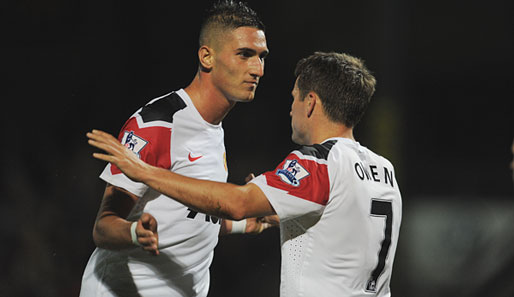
(246, 37)
(295, 86)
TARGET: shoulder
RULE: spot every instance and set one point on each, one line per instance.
(379, 158)
(318, 151)
(162, 108)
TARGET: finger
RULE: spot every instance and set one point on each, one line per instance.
(96, 136)
(145, 218)
(261, 227)
(106, 137)
(147, 241)
(108, 148)
(249, 177)
(99, 144)
(149, 244)
(145, 233)
(152, 225)
(104, 157)
(142, 230)
(100, 133)
(152, 250)
(149, 222)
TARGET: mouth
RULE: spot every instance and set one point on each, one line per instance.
(252, 82)
(251, 85)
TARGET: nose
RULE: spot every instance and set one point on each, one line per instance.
(257, 67)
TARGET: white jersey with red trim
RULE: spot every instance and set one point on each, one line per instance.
(340, 212)
(169, 133)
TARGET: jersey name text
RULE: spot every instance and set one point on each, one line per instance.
(374, 174)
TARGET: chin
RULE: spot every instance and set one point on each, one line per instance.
(246, 98)
(299, 139)
(296, 140)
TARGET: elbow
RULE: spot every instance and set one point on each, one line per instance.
(237, 209)
(98, 239)
(236, 214)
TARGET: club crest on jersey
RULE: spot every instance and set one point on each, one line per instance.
(292, 173)
(133, 142)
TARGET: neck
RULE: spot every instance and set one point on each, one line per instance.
(212, 105)
(329, 129)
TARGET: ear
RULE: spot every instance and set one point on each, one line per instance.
(312, 99)
(206, 58)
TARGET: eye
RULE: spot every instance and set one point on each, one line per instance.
(245, 54)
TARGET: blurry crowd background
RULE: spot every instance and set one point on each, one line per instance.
(443, 114)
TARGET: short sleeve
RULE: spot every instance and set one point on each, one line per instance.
(150, 143)
(298, 186)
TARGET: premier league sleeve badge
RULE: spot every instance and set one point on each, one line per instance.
(292, 172)
(133, 142)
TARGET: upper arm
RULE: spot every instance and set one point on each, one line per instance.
(299, 184)
(110, 229)
(116, 201)
(256, 203)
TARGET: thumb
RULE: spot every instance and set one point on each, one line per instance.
(149, 222)
(249, 177)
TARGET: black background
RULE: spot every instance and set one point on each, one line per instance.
(442, 113)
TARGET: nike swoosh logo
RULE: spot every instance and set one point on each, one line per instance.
(193, 159)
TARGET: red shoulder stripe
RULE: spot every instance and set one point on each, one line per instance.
(302, 178)
(151, 144)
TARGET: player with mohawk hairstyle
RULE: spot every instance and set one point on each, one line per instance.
(147, 243)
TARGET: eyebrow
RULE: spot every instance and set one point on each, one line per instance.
(253, 52)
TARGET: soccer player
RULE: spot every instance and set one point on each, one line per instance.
(148, 244)
(338, 202)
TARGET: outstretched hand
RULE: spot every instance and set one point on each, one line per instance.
(119, 155)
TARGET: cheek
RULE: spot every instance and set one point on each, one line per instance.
(224, 69)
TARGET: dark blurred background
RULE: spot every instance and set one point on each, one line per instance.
(443, 114)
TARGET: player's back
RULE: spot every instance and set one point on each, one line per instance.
(340, 211)
(354, 242)
(347, 247)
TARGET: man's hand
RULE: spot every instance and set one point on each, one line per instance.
(146, 232)
(272, 220)
(118, 154)
(256, 225)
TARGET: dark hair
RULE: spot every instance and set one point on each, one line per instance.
(342, 82)
(228, 14)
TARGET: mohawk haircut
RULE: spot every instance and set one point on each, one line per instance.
(228, 15)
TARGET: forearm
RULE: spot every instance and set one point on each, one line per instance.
(112, 232)
(223, 200)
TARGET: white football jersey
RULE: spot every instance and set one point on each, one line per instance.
(340, 212)
(169, 133)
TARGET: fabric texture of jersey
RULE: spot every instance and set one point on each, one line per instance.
(340, 211)
(169, 133)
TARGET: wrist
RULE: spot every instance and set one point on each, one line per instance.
(149, 174)
(133, 234)
(238, 226)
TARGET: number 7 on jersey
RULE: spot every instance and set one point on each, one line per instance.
(381, 208)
